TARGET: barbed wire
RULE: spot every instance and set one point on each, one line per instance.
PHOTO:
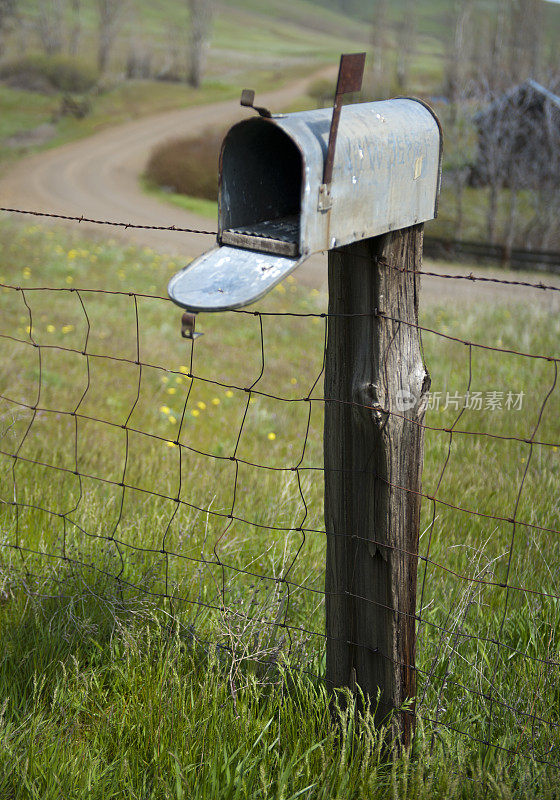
(125, 225)
(469, 277)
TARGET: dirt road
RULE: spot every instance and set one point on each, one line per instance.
(98, 177)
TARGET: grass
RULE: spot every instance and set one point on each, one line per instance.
(196, 205)
(107, 690)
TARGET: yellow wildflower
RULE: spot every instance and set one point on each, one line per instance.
(172, 419)
(171, 444)
(184, 370)
(215, 401)
(171, 390)
(50, 329)
(69, 279)
(164, 409)
(195, 412)
(67, 328)
(271, 436)
(201, 405)
(229, 393)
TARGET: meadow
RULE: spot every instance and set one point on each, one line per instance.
(161, 606)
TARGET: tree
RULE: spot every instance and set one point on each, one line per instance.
(7, 12)
(458, 57)
(76, 29)
(50, 26)
(109, 14)
(406, 33)
(379, 49)
(201, 12)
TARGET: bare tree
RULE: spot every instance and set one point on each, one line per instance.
(525, 32)
(76, 27)
(458, 57)
(406, 31)
(201, 12)
(7, 13)
(379, 48)
(50, 26)
(109, 13)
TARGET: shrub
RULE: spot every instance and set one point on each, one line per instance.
(188, 165)
(44, 73)
(322, 91)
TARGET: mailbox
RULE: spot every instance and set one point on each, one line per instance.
(276, 208)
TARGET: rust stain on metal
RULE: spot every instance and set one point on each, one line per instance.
(188, 323)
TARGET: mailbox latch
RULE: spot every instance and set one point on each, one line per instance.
(248, 101)
(325, 197)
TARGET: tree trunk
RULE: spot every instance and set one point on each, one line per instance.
(492, 212)
(200, 23)
(76, 30)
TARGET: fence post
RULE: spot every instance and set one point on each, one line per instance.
(373, 466)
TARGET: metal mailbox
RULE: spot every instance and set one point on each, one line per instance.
(276, 209)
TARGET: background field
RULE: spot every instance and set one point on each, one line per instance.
(114, 653)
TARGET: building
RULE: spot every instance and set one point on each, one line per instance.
(519, 139)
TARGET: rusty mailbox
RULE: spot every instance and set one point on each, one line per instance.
(292, 185)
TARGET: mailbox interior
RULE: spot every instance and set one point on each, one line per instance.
(261, 177)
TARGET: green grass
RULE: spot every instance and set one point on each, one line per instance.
(110, 691)
(196, 205)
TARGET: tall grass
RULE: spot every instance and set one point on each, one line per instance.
(111, 690)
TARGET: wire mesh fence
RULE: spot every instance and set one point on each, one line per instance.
(140, 467)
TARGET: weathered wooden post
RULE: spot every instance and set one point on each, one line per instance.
(358, 181)
(376, 389)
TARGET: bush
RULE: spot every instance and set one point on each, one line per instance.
(322, 91)
(188, 165)
(44, 73)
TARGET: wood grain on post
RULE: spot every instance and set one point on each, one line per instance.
(373, 467)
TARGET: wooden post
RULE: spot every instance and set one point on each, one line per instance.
(376, 389)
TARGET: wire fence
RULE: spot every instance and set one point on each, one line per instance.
(140, 467)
